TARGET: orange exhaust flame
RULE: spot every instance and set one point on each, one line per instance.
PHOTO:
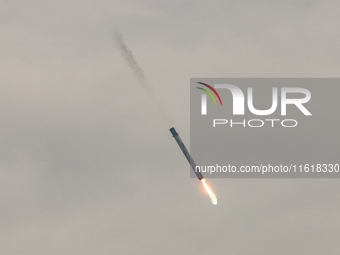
(211, 194)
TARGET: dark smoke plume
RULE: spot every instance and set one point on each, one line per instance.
(139, 74)
(128, 56)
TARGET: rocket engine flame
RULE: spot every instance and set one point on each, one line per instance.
(213, 197)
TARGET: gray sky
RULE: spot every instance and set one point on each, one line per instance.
(89, 167)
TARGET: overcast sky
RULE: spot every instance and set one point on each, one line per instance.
(88, 166)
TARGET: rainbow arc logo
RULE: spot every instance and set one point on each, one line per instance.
(209, 93)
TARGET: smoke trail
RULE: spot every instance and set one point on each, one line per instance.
(139, 74)
(128, 56)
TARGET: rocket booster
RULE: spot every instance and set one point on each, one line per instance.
(186, 153)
